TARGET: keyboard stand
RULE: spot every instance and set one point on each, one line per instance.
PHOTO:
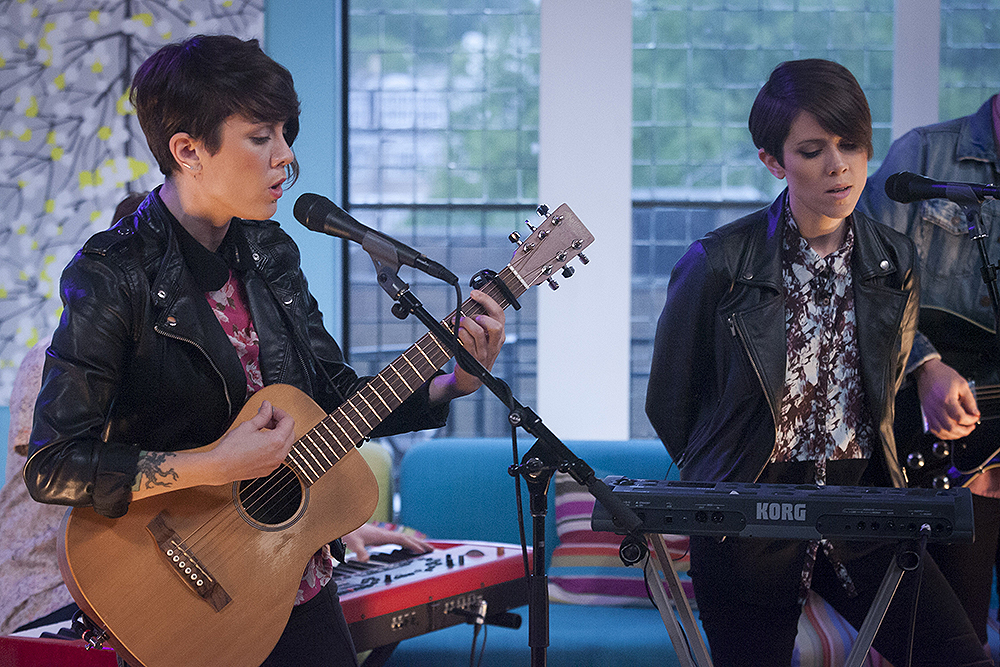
(909, 557)
(684, 634)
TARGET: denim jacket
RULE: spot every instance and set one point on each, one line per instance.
(962, 150)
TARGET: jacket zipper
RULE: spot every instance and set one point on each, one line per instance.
(738, 334)
(225, 389)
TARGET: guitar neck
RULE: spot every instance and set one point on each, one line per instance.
(551, 245)
(319, 449)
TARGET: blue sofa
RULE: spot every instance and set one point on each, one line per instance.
(460, 489)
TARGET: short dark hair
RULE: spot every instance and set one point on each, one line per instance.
(195, 85)
(825, 89)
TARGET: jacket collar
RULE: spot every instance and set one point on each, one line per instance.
(761, 262)
(975, 138)
(179, 249)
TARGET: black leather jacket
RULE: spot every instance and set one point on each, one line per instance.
(139, 361)
(718, 367)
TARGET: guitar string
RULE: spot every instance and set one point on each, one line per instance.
(289, 480)
(284, 481)
(285, 490)
(287, 483)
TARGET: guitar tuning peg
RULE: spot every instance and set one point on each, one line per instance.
(530, 226)
(583, 259)
(542, 210)
(514, 237)
(552, 283)
(568, 271)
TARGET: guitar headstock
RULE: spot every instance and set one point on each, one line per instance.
(552, 244)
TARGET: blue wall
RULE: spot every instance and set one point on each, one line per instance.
(307, 41)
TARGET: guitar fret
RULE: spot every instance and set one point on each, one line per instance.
(407, 360)
(350, 403)
(389, 386)
(323, 450)
(347, 436)
(333, 435)
(388, 407)
(400, 378)
(312, 453)
(441, 349)
(370, 407)
(424, 353)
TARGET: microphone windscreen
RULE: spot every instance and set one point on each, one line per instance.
(303, 211)
(906, 187)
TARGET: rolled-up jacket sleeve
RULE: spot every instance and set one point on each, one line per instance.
(69, 463)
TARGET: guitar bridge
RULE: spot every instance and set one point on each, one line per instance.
(185, 565)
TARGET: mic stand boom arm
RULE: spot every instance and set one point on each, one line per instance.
(538, 464)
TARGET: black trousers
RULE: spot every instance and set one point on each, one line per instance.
(747, 628)
(969, 567)
(316, 635)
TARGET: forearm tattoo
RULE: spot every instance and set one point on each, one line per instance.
(154, 470)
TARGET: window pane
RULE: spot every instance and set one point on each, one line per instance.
(970, 55)
(443, 152)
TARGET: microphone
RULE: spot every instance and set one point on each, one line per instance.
(905, 187)
(321, 215)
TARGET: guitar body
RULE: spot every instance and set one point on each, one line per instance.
(932, 463)
(122, 579)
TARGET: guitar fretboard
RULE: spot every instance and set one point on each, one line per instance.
(318, 450)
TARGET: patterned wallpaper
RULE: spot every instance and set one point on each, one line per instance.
(70, 146)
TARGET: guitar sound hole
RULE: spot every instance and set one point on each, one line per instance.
(271, 500)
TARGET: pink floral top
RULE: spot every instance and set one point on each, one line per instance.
(229, 306)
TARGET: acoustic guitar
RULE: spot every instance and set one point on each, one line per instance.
(208, 575)
(933, 463)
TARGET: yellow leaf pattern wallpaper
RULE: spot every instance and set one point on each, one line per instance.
(70, 145)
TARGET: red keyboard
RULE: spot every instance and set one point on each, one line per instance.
(398, 595)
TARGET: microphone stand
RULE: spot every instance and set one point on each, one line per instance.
(537, 465)
(972, 207)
